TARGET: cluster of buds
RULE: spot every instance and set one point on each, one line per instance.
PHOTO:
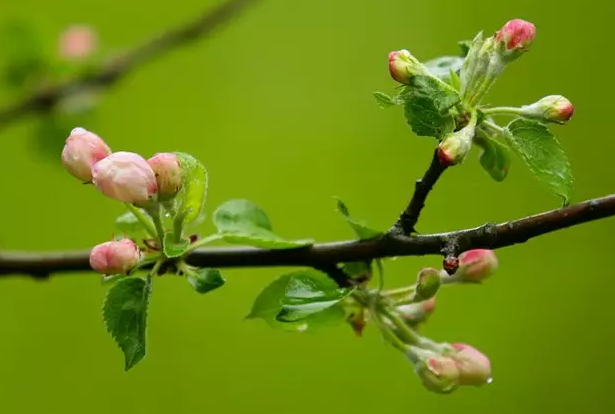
(125, 177)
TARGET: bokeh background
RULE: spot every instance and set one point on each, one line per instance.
(278, 106)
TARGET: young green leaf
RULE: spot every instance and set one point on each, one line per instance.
(442, 67)
(191, 197)
(309, 292)
(494, 158)
(206, 280)
(125, 314)
(173, 248)
(541, 151)
(129, 225)
(242, 222)
(427, 106)
(362, 231)
(383, 100)
(268, 304)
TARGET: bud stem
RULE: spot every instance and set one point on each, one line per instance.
(142, 217)
(154, 211)
(493, 126)
(409, 335)
(503, 110)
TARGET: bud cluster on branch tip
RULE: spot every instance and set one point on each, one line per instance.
(82, 150)
(476, 265)
(474, 367)
(77, 42)
(126, 177)
(168, 174)
(403, 66)
(428, 283)
(115, 257)
(552, 108)
(454, 147)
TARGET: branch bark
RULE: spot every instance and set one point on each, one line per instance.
(406, 222)
(491, 236)
(111, 71)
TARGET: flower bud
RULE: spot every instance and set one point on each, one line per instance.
(552, 108)
(168, 174)
(115, 257)
(415, 313)
(437, 372)
(515, 37)
(428, 283)
(473, 366)
(455, 146)
(476, 265)
(403, 66)
(77, 42)
(82, 150)
(126, 177)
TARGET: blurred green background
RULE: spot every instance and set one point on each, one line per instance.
(278, 106)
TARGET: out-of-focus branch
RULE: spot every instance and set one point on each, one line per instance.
(110, 72)
(325, 255)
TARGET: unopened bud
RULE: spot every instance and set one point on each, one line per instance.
(552, 108)
(473, 366)
(428, 283)
(115, 257)
(454, 147)
(416, 313)
(403, 66)
(168, 174)
(515, 37)
(77, 42)
(437, 372)
(476, 265)
(82, 150)
(126, 177)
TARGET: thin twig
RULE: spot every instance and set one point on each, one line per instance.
(111, 71)
(491, 236)
(410, 216)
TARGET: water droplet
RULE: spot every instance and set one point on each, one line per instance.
(167, 214)
(489, 380)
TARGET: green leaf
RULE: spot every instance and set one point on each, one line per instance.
(105, 280)
(427, 106)
(128, 224)
(361, 229)
(465, 46)
(442, 67)
(541, 151)
(242, 222)
(191, 198)
(206, 280)
(494, 158)
(383, 100)
(173, 248)
(125, 314)
(357, 270)
(308, 292)
(269, 303)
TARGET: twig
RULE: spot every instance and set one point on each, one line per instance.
(492, 236)
(111, 71)
(409, 217)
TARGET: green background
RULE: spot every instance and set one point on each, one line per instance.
(278, 107)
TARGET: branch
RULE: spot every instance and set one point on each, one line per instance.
(491, 236)
(111, 71)
(409, 217)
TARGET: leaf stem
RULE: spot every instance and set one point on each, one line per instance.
(202, 242)
(142, 217)
(503, 110)
(493, 126)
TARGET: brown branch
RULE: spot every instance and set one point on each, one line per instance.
(410, 216)
(492, 236)
(111, 71)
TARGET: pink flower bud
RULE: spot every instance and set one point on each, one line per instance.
(454, 147)
(77, 42)
(474, 367)
(476, 265)
(516, 34)
(552, 108)
(439, 374)
(416, 313)
(82, 150)
(125, 176)
(403, 66)
(168, 174)
(115, 257)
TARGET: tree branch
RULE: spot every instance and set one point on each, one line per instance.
(111, 71)
(423, 186)
(491, 236)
